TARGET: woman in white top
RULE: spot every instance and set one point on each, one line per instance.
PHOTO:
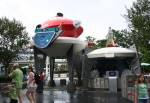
(31, 86)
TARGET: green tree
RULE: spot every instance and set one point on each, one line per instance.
(12, 37)
(138, 17)
(90, 38)
(100, 43)
(122, 38)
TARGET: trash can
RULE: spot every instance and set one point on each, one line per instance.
(62, 82)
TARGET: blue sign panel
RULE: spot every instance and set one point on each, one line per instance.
(43, 39)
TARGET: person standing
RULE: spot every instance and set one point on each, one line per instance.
(31, 86)
(41, 82)
(12, 94)
(141, 88)
(17, 79)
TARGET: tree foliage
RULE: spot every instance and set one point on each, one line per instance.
(122, 38)
(12, 37)
(138, 17)
(101, 43)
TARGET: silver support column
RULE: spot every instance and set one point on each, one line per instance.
(71, 85)
(52, 64)
(39, 60)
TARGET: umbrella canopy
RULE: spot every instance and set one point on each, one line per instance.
(111, 52)
(25, 67)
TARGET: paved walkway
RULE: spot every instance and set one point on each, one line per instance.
(82, 96)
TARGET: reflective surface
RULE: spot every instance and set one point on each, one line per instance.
(55, 96)
(80, 97)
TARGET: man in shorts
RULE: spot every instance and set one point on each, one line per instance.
(13, 95)
(17, 79)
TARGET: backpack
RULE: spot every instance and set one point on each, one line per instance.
(36, 78)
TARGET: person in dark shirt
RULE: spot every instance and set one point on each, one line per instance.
(41, 82)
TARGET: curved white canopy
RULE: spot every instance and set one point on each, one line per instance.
(111, 52)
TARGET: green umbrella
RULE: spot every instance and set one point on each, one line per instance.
(25, 67)
(145, 67)
(145, 64)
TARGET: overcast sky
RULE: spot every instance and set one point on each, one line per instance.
(96, 16)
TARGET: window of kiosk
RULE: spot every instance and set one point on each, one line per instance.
(104, 65)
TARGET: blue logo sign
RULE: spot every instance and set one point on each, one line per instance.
(43, 39)
(46, 36)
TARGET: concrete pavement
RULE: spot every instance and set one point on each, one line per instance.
(80, 96)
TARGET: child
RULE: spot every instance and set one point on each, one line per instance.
(142, 89)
